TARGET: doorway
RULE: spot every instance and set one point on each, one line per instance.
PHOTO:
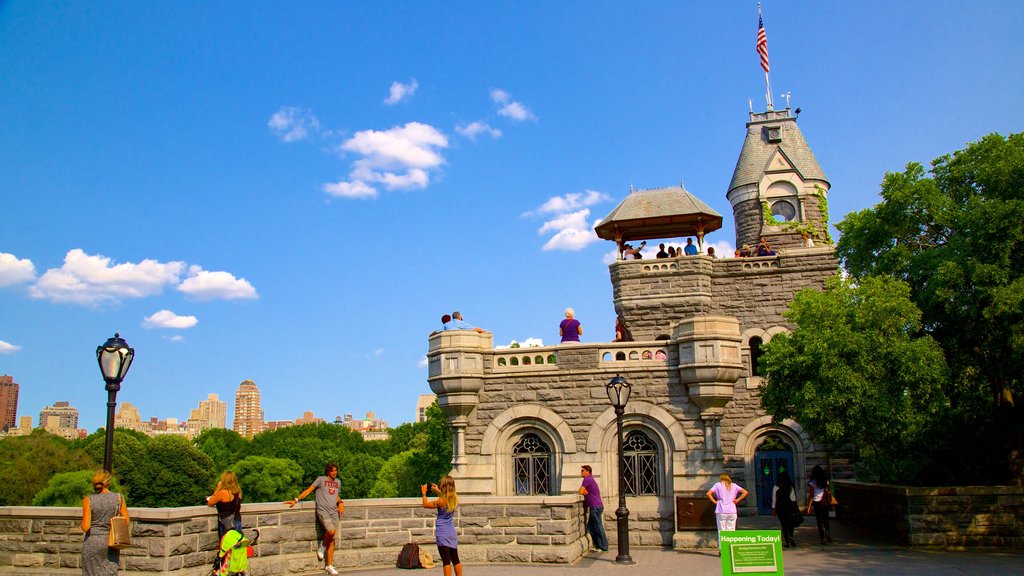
(771, 458)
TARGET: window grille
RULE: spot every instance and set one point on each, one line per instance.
(640, 464)
(531, 465)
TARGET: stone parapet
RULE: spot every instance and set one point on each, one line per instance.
(956, 517)
(183, 541)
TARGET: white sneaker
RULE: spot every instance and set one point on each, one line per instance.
(330, 570)
(320, 552)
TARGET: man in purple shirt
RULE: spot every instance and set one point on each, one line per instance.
(595, 507)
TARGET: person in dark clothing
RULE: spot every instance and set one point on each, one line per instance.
(784, 505)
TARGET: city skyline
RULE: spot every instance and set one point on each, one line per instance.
(295, 198)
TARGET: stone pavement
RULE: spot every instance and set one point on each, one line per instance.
(854, 551)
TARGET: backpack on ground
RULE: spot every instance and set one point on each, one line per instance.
(409, 557)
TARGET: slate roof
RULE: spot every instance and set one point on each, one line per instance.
(659, 213)
(757, 150)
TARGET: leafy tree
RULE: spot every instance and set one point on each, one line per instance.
(28, 462)
(68, 489)
(396, 478)
(311, 446)
(171, 473)
(224, 447)
(856, 370)
(434, 460)
(265, 479)
(129, 452)
(956, 235)
(357, 473)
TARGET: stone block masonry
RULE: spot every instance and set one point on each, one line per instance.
(183, 541)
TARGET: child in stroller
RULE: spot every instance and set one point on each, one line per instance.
(233, 555)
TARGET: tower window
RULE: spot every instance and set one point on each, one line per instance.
(640, 464)
(783, 210)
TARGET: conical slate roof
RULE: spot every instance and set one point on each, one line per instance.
(758, 149)
(658, 213)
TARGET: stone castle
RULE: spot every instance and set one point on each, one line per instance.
(526, 419)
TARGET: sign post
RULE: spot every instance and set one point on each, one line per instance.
(752, 553)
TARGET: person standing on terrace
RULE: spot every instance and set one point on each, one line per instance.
(570, 329)
(328, 509)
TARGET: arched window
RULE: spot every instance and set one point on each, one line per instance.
(640, 464)
(531, 466)
(756, 366)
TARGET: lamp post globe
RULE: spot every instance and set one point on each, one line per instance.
(618, 394)
(115, 358)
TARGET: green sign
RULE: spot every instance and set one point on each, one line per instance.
(751, 552)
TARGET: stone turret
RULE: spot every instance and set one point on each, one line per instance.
(778, 190)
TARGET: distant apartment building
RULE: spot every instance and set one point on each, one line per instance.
(371, 427)
(24, 427)
(172, 426)
(60, 415)
(248, 412)
(8, 403)
(211, 413)
(424, 402)
(127, 418)
(308, 418)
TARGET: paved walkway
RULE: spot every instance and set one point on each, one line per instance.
(854, 551)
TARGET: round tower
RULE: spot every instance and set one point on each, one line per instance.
(778, 190)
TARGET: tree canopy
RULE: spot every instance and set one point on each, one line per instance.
(856, 371)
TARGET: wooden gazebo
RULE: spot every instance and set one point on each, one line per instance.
(659, 213)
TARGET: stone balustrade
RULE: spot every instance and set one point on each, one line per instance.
(183, 541)
(957, 517)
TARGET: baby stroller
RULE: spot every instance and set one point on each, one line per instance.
(233, 556)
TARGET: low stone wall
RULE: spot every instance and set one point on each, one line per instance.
(183, 541)
(950, 517)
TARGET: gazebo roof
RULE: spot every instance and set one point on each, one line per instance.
(658, 213)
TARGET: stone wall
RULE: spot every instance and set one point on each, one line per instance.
(183, 541)
(957, 517)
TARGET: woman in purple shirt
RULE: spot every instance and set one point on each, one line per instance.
(726, 495)
(570, 329)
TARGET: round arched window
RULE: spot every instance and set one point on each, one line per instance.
(784, 210)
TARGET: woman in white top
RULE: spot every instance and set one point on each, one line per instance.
(819, 499)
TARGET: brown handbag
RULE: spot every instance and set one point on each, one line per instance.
(120, 530)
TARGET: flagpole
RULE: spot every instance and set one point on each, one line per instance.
(768, 94)
(764, 61)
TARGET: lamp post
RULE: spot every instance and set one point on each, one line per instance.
(114, 357)
(618, 394)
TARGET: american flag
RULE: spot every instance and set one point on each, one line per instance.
(762, 43)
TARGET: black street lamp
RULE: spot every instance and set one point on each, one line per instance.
(618, 394)
(114, 357)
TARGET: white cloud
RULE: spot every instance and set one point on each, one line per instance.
(572, 232)
(175, 338)
(168, 319)
(509, 107)
(6, 348)
(401, 91)
(474, 129)
(570, 201)
(423, 362)
(378, 352)
(290, 124)
(400, 158)
(528, 343)
(354, 189)
(216, 285)
(86, 279)
(14, 270)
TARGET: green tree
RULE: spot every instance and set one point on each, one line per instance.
(856, 370)
(129, 452)
(265, 479)
(311, 446)
(396, 478)
(224, 447)
(28, 462)
(68, 489)
(434, 460)
(171, 473)
(956, 235)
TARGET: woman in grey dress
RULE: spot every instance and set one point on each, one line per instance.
(97, 510)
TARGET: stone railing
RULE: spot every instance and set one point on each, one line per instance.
(655, 351)
(183, 541)
(949, 517)
(525, 359)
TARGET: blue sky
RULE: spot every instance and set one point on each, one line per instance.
(293, 193)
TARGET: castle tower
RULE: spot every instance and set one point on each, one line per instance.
(778, 190)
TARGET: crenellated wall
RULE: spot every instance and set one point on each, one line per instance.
(183, 541)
